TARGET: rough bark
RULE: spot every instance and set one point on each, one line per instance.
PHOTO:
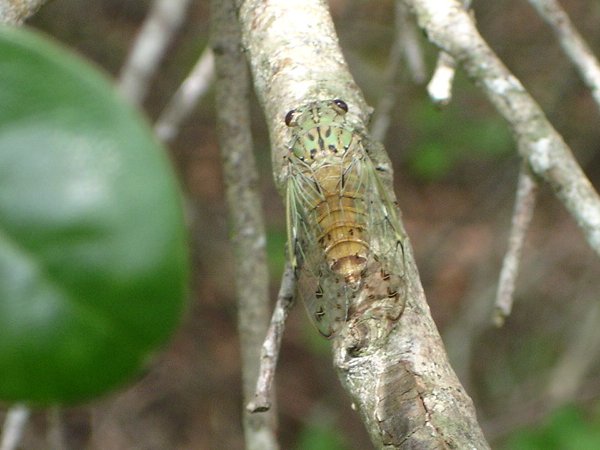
(403, 387)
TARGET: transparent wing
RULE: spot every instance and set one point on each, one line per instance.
(386, 235)
(325, 296)
(383, 280)
(383, 228)
(329, 300)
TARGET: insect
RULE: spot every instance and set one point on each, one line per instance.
(343, 232)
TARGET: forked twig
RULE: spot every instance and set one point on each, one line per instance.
(522, 214)
(270, 349)
(403, 386)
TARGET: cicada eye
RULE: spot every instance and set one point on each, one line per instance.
(341, 104)
(289, 117)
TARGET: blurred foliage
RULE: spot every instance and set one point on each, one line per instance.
(473, 137)
(86, 280)
(569, 428)
(319, 437)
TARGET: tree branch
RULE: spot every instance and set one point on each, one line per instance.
(404, 387)
(14, 424)
(245, 210)
(413, 51)
(14, 12)
(405, 44)
(451, 28)
(272, 344)
(440, 86)
(156, 33)
(185, 99)
(572, 43)
(522, 215)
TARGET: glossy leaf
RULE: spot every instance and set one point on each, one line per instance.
(93, 262)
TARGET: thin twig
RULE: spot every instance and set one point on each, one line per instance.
(411, 46)
(270, 349)
(572, 43)
(14, 425)
(56, 430)
(440, 86)
(14, 12)
(405, 44)
(522, 215)
(186, 97)
(389, 96)
(245, 210)
(156, 33)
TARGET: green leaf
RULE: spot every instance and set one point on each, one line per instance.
(93, 261)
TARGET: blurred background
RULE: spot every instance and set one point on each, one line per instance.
(535, 382)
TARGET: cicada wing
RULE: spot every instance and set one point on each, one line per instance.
(387, 237)
(325, 298)
(384, 279)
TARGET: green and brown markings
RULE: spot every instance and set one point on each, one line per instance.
(343, 232)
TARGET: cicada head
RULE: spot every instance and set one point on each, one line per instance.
(320, 130)
(317, 114)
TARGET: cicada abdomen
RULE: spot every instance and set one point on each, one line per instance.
(340, 224)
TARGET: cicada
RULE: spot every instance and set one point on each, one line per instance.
(343, 234)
